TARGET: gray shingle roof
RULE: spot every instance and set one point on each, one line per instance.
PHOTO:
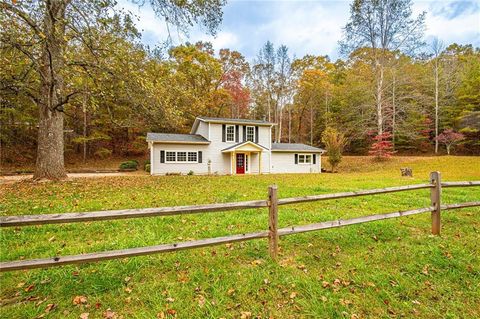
(177, 138)
(294, 147)
(229, 120)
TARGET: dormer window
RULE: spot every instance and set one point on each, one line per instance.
(230, 133)
(251, 133)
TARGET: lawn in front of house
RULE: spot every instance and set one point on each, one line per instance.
(391, 268)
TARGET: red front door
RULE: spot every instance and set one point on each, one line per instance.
(240, 163)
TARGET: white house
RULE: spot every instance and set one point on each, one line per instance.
(229, 146)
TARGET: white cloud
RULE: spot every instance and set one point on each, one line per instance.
(463, 28)
(305, 27)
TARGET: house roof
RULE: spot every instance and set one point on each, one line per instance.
(233, 147)
(224, 120)
(295, 147)
(234, 121)
(176, 138)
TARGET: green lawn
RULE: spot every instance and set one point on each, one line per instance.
(391, 268)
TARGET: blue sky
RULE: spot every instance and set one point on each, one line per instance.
(307, 26)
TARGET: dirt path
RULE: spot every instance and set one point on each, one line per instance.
(17, 178)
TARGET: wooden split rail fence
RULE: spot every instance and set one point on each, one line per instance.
(273, 233)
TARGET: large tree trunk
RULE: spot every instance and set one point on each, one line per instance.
(50, 153)
(50, 161)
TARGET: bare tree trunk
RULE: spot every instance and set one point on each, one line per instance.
(84, 127)
(269, 107)
(436, 105)
(311, 125)
(379, 99)
(280, 119)
(290, 124)
(50, 154)
(394, 111)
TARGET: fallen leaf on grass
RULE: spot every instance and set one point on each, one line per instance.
(170, 299)
(29, 288)
(345, 302)
(50, 307)
(230, 291)
(293, 295)
(109, 314)
(425, 269)
(245, 315)
(77, 300)
(84, 315)
(257, 262)
(325, 284)
(201, 301)
(172, 312)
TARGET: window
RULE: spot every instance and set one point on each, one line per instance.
(304, 158)
(170, 157)
(251, 133)
(181, 156)
(192, 156)
(230, 133)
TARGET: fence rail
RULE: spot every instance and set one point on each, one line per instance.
(273, 233)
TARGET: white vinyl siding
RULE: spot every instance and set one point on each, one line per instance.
(159, 168)
(284, 162)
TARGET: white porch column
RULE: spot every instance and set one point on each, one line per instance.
(260, 162)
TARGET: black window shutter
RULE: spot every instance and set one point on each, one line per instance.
(296, 158)
(236, 133)
(162, 156)
(199, 156)
(256, 134)
(244, 133)
(314, 158)
(223, 133)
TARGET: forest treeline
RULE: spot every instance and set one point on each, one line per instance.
(127, 89)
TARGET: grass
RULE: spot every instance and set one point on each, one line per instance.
(391, 268)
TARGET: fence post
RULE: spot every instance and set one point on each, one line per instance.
(273, 221)
(435, 198)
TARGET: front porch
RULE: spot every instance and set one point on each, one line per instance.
(245, 158)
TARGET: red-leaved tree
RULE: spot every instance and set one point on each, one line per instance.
(450, 138)
(382, 147)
